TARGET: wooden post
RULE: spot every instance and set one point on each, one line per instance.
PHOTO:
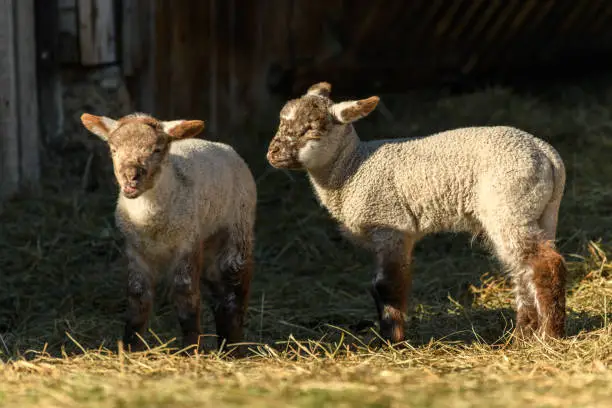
(97, 32)
(9, 123)
(27, 93)
(233, 79)
(214, 58)
(19, 150)
(47, 16)
(138, 51)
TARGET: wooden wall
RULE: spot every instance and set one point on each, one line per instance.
(87, 30)
(223, 59)
(19, 149)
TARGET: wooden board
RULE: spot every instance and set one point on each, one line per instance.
(137, 51)
(27, 94)
(49, 46)
(65, 17)
(97, 32)
(9, 123)
(19, 122)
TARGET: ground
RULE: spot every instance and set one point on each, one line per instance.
(311, 318)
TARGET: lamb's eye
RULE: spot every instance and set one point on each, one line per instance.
(157, 150)
(113, 150)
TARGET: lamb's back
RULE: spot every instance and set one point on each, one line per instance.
(436, 182)
(219, 180)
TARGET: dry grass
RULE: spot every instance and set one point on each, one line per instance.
(312, 374)
(311, 318)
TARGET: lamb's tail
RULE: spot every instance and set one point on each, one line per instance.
(548, 220)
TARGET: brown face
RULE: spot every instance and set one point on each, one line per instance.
(138, 148)
(310, 128)
(139, 145)
(301, 120)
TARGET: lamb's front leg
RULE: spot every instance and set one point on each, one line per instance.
(390, 289)
(187, 295)
(140, 300)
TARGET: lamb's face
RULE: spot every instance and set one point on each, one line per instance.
(305, 123)
(312, 128)
(139, 145)
(138, 149)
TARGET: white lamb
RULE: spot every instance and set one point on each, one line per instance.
(500, 182)
(187, 208)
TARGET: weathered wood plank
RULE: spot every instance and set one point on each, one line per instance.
(67, 4)
(131, 54)
(27, 94)
(48, 70)
(97, 32)
(138, 50)
(19, 122)
(214, 65)
(68, 34)
(9, 123)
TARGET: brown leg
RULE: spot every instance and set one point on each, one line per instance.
(187, 295)
(230, 299)
(229, 284)
(549, 277)
(140, 302)
(390, 289)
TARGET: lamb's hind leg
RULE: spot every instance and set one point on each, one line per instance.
(526, 312)
(549, 278)
(539, 274)
(229, 287)
(187, 294)
(390, 288)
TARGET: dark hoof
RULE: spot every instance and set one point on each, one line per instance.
(235, 352)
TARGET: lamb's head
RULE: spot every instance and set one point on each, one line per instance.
(312, 128)
(139, 146)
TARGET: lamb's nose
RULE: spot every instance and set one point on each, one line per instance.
(135, 173)
(274, 148)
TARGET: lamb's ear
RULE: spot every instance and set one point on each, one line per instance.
(100, 126)
(183, 129)
(350, 111)
(320, 89)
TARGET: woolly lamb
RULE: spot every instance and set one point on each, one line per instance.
(187, 207)
(500, 182)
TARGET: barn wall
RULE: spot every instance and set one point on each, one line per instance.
(19, 149)
(223, 59)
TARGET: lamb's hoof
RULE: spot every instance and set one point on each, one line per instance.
(362, 326)
(192, 350)
(235, 352)
(388, 345)
(134, 346)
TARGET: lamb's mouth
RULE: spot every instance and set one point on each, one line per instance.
(130, 191)
(284, 163)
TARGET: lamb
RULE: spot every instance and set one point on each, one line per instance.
(497, 182)
(186, 208)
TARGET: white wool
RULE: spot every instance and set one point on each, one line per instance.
(203, 187)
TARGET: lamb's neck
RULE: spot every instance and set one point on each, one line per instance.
(329, 180)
